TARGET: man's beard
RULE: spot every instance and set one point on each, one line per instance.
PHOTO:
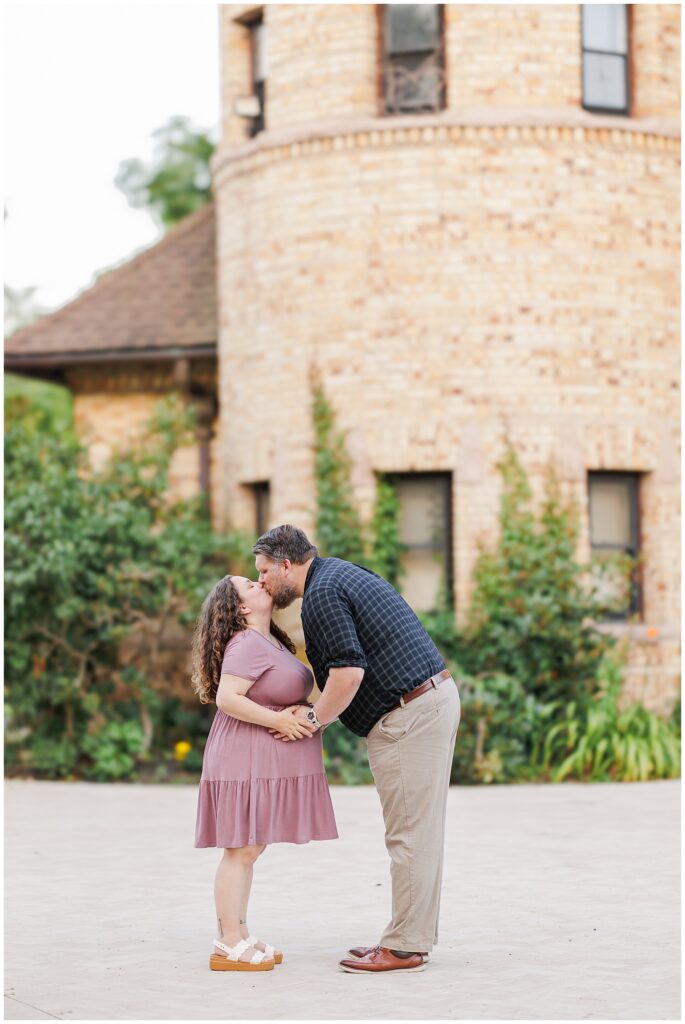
(285, 595)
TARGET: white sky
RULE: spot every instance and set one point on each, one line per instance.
(85, 87)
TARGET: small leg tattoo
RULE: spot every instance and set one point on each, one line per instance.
(221, 931)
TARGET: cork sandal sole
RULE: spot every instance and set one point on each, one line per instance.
(222, 963)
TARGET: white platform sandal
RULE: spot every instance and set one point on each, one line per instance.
(231, 961)
(270, 951)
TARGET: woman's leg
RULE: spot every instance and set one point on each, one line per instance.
(231, 891)
(244, 930)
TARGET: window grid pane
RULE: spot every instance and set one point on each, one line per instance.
(412, 27)
(605, 28)
(413, 64)
(605, 58)
(604, 81)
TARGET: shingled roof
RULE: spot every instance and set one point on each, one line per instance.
(162, 302)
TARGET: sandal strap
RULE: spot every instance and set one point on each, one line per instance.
(268, 950)
(234, 952)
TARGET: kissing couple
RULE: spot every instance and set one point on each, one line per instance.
(263, 779)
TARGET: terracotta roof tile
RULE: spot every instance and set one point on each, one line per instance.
(165, 297)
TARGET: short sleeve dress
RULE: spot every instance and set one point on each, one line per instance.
(254, 787)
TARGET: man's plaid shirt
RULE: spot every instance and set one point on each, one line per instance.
(353, 617)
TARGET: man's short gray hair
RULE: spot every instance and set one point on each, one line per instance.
(283, 542)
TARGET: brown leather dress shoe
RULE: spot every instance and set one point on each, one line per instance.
(360, 951)
(381, 960)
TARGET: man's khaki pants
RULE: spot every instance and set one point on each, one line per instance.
(410, 754)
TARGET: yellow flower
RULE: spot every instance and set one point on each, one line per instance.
(181, 750)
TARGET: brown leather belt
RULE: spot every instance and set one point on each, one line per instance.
(439, 677)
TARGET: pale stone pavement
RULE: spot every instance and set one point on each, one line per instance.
(558, 902)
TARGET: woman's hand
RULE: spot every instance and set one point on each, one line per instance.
(288, 727)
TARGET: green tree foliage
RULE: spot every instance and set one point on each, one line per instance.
(178, 180)
(53, 403)
(338, 529)
(89, 557)
(386, 547)
(532, 614)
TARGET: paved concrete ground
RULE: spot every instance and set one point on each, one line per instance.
(558, 902)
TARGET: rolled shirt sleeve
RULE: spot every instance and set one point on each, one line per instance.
(337, 641)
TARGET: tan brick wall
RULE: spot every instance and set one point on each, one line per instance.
(112, 408)
(323, 61)
(655, 53)
(513, 55)
(456, 284)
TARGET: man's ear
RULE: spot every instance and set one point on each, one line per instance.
(287, 565)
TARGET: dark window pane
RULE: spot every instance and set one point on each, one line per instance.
(414, 83)
(262, 509)
(605, 27)
(412, 27)
(604, 81)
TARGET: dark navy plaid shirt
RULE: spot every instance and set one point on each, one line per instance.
(351, 616)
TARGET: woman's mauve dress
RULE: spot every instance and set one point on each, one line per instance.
(256, 788)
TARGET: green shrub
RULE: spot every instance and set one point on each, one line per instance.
(89, 556)
(532, 615)
(385, 544)
(338, 529)
(112, 750)
(596, 741)
(345, 757)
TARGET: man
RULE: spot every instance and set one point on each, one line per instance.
(382, 675)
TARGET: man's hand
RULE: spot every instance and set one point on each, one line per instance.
(299, 713)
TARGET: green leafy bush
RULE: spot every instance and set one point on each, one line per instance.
(385, 544)
(345, 757)
(539, 682)
(598, 741)
(532, 614)
(89, 557)
(112, 750)
(338, 529)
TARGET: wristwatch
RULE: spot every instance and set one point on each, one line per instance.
(311, 717)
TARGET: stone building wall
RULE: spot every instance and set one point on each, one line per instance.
(505, 268)
(112, 408)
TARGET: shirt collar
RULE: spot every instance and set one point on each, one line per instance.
(311, 572)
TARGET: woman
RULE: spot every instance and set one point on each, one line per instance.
(254, 789)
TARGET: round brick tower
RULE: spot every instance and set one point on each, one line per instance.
(469, 223)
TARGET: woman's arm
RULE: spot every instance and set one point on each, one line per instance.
(232, 700)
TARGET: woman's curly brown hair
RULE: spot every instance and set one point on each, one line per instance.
(218, 621)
